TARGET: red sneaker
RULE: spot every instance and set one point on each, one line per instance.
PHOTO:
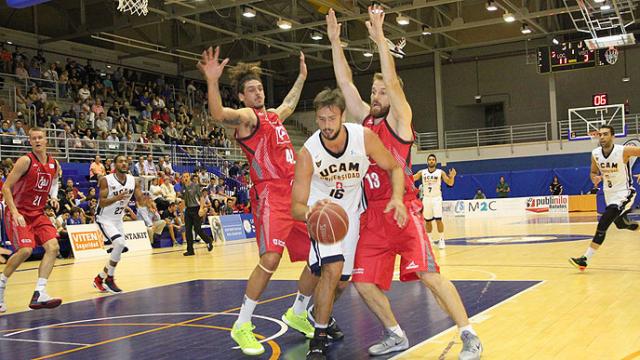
(43, 301)
(98, 283)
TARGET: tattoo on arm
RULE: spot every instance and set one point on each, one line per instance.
(292, 98)
(232, 121)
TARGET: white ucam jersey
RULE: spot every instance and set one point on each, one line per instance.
(115, 211)
(431, 183)
(616, 174)
(338, 177)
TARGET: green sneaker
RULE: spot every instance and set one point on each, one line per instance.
(243, 335)
(299, 323)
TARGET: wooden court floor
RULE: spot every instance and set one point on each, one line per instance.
(569, 315)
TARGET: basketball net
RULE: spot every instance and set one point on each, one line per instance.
(135, 7)
(595, 136)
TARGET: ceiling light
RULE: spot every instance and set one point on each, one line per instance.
(248, 12)
(555, 41)
(605, 7)
(316, 35)
(108, 66)
(284, 24)
(402, 20)
(491, 6)
(508, 17)
(626, 79)
(525, 29)
(598, 1)
(9, 42)
(426, 30)
(367, 54)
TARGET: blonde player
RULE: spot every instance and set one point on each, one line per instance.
(432, 179)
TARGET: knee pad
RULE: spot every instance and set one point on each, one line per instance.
(598, 238)
(118, 248)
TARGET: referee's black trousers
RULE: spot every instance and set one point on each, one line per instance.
(193, 223)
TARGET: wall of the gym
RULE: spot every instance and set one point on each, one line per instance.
(510, 80)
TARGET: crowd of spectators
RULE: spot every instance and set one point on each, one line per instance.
(112, 105)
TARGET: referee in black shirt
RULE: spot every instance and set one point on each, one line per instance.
(190, 194)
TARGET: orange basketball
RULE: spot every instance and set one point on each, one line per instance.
(328, 224)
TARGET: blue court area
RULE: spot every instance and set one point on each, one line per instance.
(191, 320)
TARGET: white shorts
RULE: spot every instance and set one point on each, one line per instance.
(345, 250)
(622, 199)
(111, 230)
(432, 208)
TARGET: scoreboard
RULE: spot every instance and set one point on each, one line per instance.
(569, 56)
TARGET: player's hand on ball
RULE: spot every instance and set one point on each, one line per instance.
(399, 211)
(318, 204)
(209, 65)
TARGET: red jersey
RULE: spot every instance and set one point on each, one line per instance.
(31, 191)
(377, 181)
(268, 149)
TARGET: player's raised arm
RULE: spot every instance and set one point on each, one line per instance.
(356, 108)
(290, 102)
(212, 69)
(19, 169)
(383, 158)
(400, 110)
(301, 186)
(450, 178)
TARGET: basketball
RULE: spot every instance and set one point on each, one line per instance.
(328, 224)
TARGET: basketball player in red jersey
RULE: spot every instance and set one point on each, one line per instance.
(266, 144)
(26, 192)
(389, 115)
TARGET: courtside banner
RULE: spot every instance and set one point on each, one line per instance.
(137, 236)
(87, 240)
(232, 227)
(216, 228)
(248, 225)
(552, 203)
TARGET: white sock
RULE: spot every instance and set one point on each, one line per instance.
(3, 280)
(442, 236)
(468, 328)
(110, 269)
(41, 284)
(590, 252)
(396, 330)
(300, 303)
(103, 275)
(322, 326)
(246, 310)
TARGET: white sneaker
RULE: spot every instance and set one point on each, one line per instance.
(441, 244)
(3, 307)
(390, 343)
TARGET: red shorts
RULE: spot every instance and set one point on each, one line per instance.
(381, 240)
(275, 228)
(38, 231)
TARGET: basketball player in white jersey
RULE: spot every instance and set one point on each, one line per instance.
(610, 165)
(330, 168)
(432, 179)
(115, 192)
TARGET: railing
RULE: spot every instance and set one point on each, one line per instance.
(507, 135)
(13, 146)
(49, 87)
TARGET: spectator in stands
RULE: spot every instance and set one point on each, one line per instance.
(174, 223)
(503, 189)
(6, 58)
(21, 72)
(102, 124)
(97, 108)
(152, 220)
(155, 191)
(63, 83)
(130, 143)
(108, 87)
(166, 166)
(168, 191)
(216, 207)
(115, 111)
(84, 93)
(145, 141)
(89, 207)
(70, 186)
(150, 166)
(76, 142)
(51, 73)
(20, 135)
(96, 170)
(138, 168)
(555, 188)
(113, 139)
(81, 124)
(88, 140)
(91, 194)
(230, 207)
(6, 136)
(76, 217)
(109, 166)
(479, 195)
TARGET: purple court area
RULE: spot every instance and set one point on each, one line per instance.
(190, 320)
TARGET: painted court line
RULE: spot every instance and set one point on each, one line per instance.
(478, 315)
(44, 342)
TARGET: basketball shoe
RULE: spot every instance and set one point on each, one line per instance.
(41, 300)
(98, 283)
(110, 285)
(243, 335)
(471, 346)
(391, 342)
(299, 322)
(580, 263)
(318, 345)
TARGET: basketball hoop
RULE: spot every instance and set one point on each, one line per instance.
(135, 7)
